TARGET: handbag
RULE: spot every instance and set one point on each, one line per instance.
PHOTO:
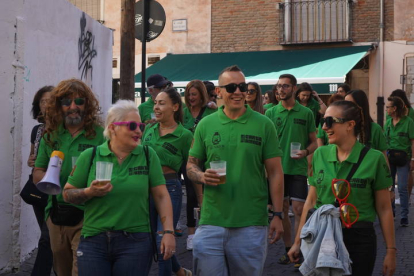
(397, 158)
(31, 195)
(67, 215)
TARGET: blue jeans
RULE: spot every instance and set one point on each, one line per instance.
(116, 253)
(174, 189)
(229, 251)
(402, 173)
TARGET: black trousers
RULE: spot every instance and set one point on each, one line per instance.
(44, 259)
(361, 244)
(191, 198)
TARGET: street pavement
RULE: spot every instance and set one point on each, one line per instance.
(404, 240)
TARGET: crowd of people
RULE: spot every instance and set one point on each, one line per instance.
(286, 150)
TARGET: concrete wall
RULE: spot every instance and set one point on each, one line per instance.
(42, 43)
(195, 40)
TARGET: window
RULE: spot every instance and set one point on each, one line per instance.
(114, 63)
(315, 21)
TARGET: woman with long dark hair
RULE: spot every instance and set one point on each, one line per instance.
(171, 141)
(368, 188)
(399, 132)
(306, 96)
(270, 99)
(254, 97)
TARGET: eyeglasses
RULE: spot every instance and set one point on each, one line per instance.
(348, 212)
(131, 125)
(232, 87)
(329, 121)
(284, 86)
(251, 91)
(68, 102)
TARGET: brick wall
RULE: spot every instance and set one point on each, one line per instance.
(253, 25)
(244, 25)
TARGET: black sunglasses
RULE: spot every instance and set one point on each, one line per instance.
(131, 125)
(232, 87)
(68, 102)
(329, 121)
(251, 91)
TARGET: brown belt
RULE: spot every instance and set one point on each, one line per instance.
(170, 176)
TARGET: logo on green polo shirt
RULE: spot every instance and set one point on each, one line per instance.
(255, 140)
(170, 148)
(216, 138)
(358, 183)
(321, 175)
(82, 147)
(140, 170)
(148, 137)
(299, 121)
(279, 122)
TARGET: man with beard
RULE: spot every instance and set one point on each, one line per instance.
(71, 127)
(155, 83)
(294, 123)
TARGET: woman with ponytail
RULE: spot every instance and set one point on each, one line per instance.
(372, 131)
(344, 123)
(399, 133)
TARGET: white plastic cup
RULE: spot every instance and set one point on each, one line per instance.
(220, 167)
(153, 116)
(74, 159)
(103, 172)
(294, 149)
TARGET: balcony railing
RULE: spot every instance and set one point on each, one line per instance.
(315, 21)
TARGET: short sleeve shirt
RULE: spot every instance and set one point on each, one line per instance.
(399, 136)
(292, 125)
(172, 148)
(377, 140)
(126, 206)
(314, 106)
(268, 106)
(145, 109)
(322, 135)
(71, 147)
(372, 175)
(244, 143)
(189, 119)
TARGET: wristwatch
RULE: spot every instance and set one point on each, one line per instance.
(278, 214)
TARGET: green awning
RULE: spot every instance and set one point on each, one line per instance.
(327, 66)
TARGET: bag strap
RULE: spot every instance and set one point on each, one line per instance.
(355, 167)
(198, 119)
(54, 199)
(153, 238)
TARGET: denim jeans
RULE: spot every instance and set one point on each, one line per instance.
(116, 253)
(402, 173)
(224, 251)
(361, 244)
(174, 189)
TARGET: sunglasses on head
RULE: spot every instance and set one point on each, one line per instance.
(131, 125)
(68, 102)
(329, 121)
(348, 212)
(232, 87)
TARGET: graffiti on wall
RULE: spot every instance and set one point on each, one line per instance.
(86, 50)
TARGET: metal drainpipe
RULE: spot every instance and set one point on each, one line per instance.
(380, 98)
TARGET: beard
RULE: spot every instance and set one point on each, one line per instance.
(74, 121)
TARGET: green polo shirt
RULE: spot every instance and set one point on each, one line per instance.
(71, 147)
(293, 125)
(372, 175)
(172, 148)
(314, 106)
(245, 144)
(399, 136)
(189, 119)
(322, 135)
(411, 113)
(268, 106)
(126, 206)
(145, 109)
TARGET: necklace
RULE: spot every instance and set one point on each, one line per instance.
(170, 127)
(76, 131)
(121, 158)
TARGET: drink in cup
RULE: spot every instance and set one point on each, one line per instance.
(294, 149)
(220, 168)
(103, 172)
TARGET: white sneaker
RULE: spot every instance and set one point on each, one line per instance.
(397, 201)
(190, 242)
